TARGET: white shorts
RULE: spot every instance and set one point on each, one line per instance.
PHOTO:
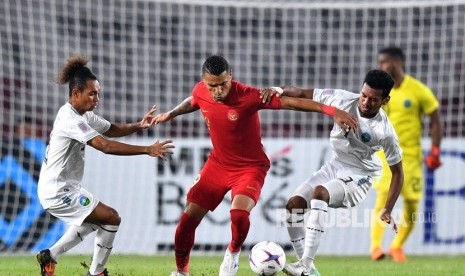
(346, 187)
(73, 207)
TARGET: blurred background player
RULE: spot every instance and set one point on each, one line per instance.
(59, 189)
(345, 179)
(410, 100)
(237, 161)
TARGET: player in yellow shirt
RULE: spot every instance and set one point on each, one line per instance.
(410, 100)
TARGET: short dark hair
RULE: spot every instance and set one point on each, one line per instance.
(215, 65)
(378, 79)
(393, 52)
(76, 73)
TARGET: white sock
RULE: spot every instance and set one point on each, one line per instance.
(72, 237)
(296, 232)
(103, 245)
(315, 227)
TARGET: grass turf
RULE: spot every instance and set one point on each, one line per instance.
(126, 265)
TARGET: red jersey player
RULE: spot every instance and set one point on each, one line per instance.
(237, 161)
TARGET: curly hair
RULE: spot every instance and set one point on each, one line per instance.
(379, 79)
(76, 73)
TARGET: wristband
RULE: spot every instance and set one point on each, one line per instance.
(278, 89)
(328, 110)
(435, 150)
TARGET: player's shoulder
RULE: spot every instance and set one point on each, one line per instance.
(335, 92)
(416, 84)
(241, 87)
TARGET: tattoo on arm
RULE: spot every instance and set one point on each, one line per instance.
(183, 108)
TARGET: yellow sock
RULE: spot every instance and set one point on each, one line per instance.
(377, 226)
(406, 226)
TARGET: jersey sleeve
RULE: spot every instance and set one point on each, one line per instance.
(195, 95)
(333, 97)
(428, 101)
(392, 149)
(97, 122)
(80, 130)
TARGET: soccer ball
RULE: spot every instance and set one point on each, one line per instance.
(267, 258)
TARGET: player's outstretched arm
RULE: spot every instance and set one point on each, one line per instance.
(345, 120)
(120, 130)
(158, 149)
(183, 108)
(397, 181)
(290, 91)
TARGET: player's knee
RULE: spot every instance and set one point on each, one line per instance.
(296, 202)
(321, 193)
(114, 218)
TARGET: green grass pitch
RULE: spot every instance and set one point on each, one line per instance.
(126, 265)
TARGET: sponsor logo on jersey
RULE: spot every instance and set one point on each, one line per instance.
(232, 115)
(84, 200)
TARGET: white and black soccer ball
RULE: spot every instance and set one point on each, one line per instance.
(267, 258)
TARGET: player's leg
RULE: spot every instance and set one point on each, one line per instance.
(72, 237)
(378, 226)
(297, 205)
(240, 224)
(343, 191)
(73, 211)
(381, 185)
(296, 208)
(108, 221)
(205, 195)
(185, 235)
(411, 193)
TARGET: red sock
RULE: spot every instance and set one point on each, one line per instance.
(240, 225)
(184, 240)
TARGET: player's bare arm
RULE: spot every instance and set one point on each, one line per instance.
(157, 149)
(345, 120)
(290, 91)
(183, 108)
(120, 130)
(397, 181)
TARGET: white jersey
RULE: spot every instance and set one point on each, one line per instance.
(357, 150)
(63, 167)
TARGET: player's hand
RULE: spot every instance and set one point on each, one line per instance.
(161, 149)
(386, 217)
(432, 160)
(267, 93)
(345, 120)
(161, 118)
(147, 121)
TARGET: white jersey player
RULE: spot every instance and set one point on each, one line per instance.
(59, 189)
(346, 178)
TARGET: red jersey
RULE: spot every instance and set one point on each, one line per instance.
(234, 124)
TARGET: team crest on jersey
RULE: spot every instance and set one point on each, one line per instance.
(83, 127)
(366, 137)
(84, 200)
(232, 115)
(407, 103)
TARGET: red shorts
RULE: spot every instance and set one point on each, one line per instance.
(214, 181)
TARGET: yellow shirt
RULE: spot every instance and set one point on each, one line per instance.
(408, 103)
